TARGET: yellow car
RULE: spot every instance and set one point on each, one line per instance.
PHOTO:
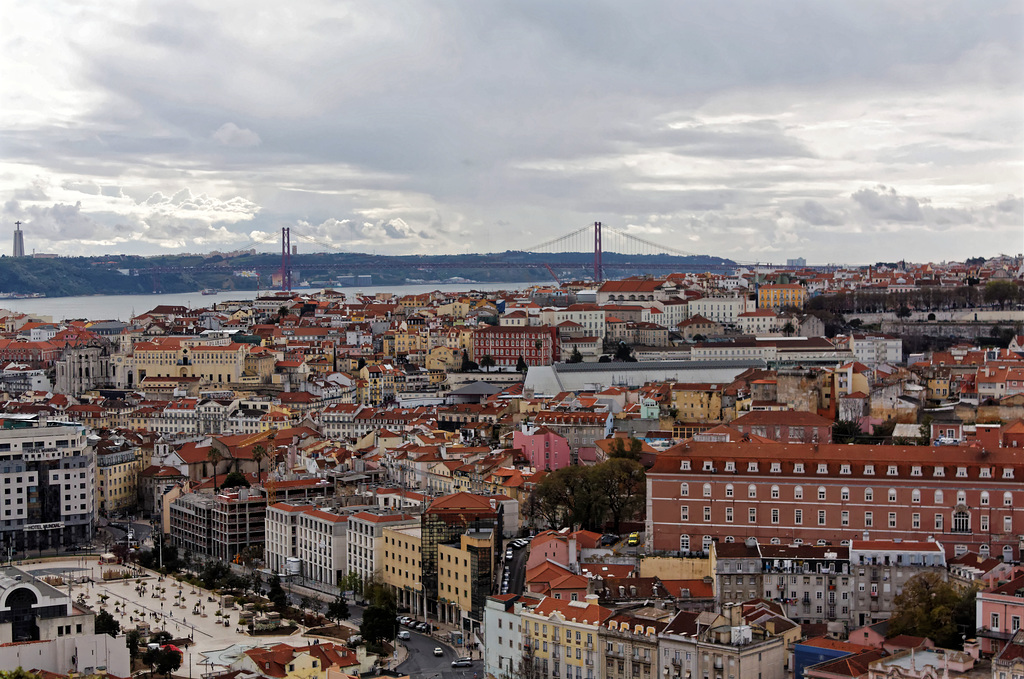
(634, 539)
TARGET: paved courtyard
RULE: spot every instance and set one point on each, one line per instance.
(163, 604)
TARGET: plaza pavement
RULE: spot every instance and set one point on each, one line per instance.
(214, 645)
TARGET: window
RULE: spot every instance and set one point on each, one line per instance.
(915, 520)
(961, 472)
(775, 492)
(775, 515)
(684, 490)
(685, 466)
(821, 517)
(798, 468)
(844, 469)
(961, 522)
(961, 497)
(869, 519)
(984, 498)
(709, 466)
(915, 496)
(751, 466)
(776, 468)
(845, 518)
(983, 523)
(939, 471)
(798, 516)
(752, 515)
(869, 495)
(915, 471)
(751, 491)
(994, 621)
(728, 514)
(938, 522)
(892, 519)
(684, 513)
(893, 470)
(1007, 473)
(707, 513)
(728, 490)
(684, 543)
(844, 494)
(985, 472)
(707, 490)
(892, 495)
(938, 497)
(869, 470)
(822, 468)
(798, 493)
(821, 492)
(1007, 499)
(1007, 524)
(730, 466)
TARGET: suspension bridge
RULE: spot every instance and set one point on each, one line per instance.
(587, 251)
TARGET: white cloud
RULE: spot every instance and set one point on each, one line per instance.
(230, 134)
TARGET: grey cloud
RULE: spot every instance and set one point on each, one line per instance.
(817, 214)
(885, 203)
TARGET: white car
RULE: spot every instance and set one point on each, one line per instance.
(438, 651)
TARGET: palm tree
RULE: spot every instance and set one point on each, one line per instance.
(214, 457)
(259, 453)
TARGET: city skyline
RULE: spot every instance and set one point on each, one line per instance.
(858, 133)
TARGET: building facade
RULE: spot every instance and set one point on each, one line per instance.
(967, 499)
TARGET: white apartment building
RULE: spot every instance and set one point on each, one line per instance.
(721, 309)
(589, 316)
(366, 539)
(308, 538)
(503, 645)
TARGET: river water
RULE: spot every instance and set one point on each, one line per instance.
(123, 307)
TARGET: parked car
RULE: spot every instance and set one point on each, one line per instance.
(609, 539)
(634, 539)
(462, 662)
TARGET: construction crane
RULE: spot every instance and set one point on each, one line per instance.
(552, 272)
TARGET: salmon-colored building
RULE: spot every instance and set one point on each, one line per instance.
(969, 499)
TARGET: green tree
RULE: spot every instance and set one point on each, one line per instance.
(107, 624)
(624, 352)
(788, 329)
(214, 456)
(576, 356)
(1001, 292)
(337, 610)
(235, 480)
(361, 363)
(379, 622)
(521, 365)
(131, 640)
(259, 453)
(350, 582)
(846, 431)
(619, 450)
(19, 673)
(487, 362)
(622, 482)
(214, 573)
(903, 312)
(276, 593)
(930, 607)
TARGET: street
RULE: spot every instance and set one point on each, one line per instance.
(423, 664)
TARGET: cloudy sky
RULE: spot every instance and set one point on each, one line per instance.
(837, 131)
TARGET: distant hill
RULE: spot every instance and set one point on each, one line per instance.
(128, 274)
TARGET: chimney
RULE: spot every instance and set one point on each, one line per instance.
(972, 648)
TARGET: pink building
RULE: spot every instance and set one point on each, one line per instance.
(998, 614)
(546, 450)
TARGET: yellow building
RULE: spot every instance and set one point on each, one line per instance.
(117, 480)
(401, 566)
(781, 296)
(380, 384)
(464, 578)
(698, 402)
(177, 357)
(564, 636)
(443, 359)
